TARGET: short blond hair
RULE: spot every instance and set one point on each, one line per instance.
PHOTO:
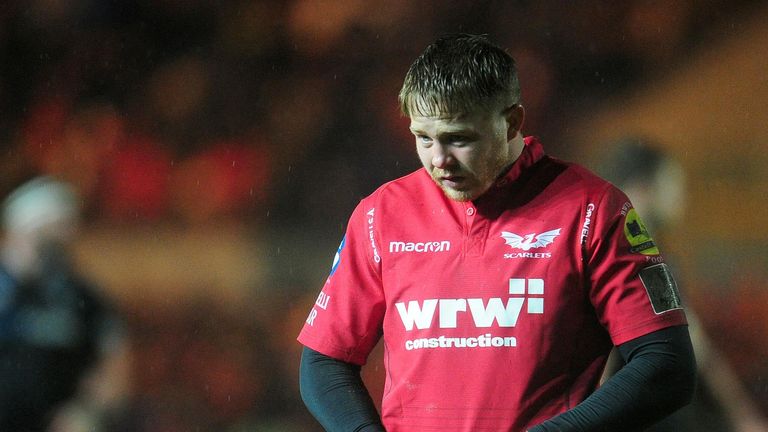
(457, 74)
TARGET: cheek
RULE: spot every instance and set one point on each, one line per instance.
(494, 152)
(468, 158)
(424, 156)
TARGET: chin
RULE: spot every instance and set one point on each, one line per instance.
(461, 196)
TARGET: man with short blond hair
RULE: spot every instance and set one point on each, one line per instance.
(542, 268)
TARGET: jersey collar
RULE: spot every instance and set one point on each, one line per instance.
(495, 196)
(532, 152)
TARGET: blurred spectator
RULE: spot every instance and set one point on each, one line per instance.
(655, 182)
(54, 327)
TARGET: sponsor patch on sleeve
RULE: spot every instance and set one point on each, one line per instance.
(661, 288)
(640, 240)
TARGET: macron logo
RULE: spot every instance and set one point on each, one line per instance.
(435, 246)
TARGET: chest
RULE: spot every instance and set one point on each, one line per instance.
(464, 250)
(457, 272)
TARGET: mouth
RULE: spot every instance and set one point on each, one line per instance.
(452, 181)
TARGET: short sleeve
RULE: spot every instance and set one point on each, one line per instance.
(346, 320)
(630, 285)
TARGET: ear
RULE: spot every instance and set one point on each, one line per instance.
(515, 116)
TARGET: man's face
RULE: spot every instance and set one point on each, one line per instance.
(463, 153)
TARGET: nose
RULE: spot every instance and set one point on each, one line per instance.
(441, 156)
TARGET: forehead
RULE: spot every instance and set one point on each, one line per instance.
(451, 122)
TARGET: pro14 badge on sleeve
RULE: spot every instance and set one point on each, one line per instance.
(661, 288)
(639, 239)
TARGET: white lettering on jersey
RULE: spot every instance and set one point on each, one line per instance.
(484, 314)
(370, 215)
(312, 316)
(449, 309)
(433, 246)
(415, 314)
(536, 255)
(483, 341)
(625, 208)
(587, 222)
(322, 300)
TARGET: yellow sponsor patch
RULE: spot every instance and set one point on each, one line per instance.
(637, 235)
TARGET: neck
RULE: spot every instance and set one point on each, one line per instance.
(516, 146)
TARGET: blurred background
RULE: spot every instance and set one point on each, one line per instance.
(219, 147)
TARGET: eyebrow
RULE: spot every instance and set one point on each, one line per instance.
(447, 135)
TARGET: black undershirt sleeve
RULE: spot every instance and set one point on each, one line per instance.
(334, 393)
(657, 379)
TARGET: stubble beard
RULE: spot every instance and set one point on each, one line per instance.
(479, 182)
(457, 195)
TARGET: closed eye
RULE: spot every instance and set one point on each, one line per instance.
(458, 140)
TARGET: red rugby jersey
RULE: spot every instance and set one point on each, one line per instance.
(499, 313)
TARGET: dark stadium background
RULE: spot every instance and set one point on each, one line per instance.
(220, 146)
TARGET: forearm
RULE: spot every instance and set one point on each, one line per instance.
(658, 379)
(335, 394)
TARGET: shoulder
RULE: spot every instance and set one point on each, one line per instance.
(405, 189)
(550, 180)
(393, 199)
(583, 175)
(577, 180)
(411, 183)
